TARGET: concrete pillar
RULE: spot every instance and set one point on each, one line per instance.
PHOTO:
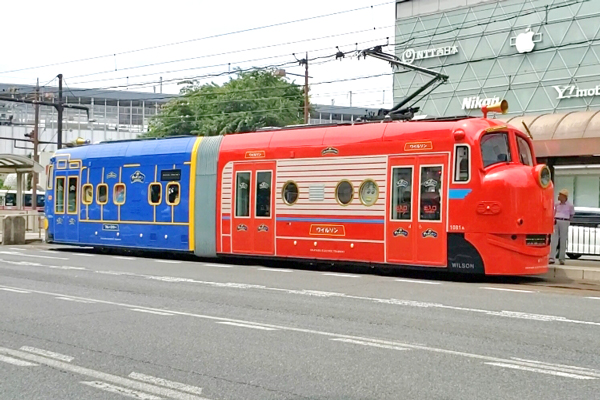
(19, 191)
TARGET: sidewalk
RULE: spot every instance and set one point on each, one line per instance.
(586, 270)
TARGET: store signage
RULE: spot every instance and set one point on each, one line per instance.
(525, 41)
(569, 91)
(410, 55)
(471, 103)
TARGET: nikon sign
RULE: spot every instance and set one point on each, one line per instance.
(410, 55)
(472, 103)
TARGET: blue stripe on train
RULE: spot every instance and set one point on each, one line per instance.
(458, 194)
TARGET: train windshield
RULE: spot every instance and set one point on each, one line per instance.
(524, 151)
(495, 148)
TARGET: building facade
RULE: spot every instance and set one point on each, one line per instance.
(542, 56)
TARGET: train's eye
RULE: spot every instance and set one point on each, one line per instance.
(544, 176)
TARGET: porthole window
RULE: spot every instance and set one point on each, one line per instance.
(344, 192)
(88, 194)
(290, 193)
(102, 194)
(119, 194)
(173, 189)
(155, 194)
(368, 192)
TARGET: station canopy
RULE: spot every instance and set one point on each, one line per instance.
(13, 163)
(563, 134)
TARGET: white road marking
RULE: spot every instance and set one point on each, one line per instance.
(64, 267)
(151, 311)
(123, 258)
(49, 251)
(134, 394)
(168, 261)
(118, 273)
(17, 248)
(259, 325)
(14, 253)
(163, 382)
(217, 265)
(17, 362)
(74, 300)
(101, 376)
(539, 370)
(593, 298)
(274, 270)
(15, 290)
(363, 343)
(342, 275)
(558, 367)
(506, 290)
(83, 254)
(47, 353)
(417, 281)
(264, 328)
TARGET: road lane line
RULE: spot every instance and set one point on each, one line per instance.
(558, 367)
(301, 330)
(216, 265)
(339, 274)
(539, 370)
(274, 270)
(151, 311)
(506, 290)
(16, 248)
(65, 267)
(101, 376)
(15, 290)
(47, 353)
(134, 394)
(593, 298)
(371, 344)
(264, 328)
(163, 382)
(49, 251)
(168, 261)
(417, 281)
(75, 300)
(14, 253)
(123, 258)
(17, 362)
(83, 254)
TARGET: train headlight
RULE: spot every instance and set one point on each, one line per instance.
(543, 176)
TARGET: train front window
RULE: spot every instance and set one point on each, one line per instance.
(431, 189)
(524, 151)
(495, 148)
(401, 193)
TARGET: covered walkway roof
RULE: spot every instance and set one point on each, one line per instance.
(568, 134)
(12, 163)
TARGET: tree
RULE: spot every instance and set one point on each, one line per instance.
(252, 100)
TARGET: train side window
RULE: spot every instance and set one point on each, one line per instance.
(59, 204)
(495, 148)
(461, 163)
(72, 195)
(155, 194)
(344, 192)
(368, 192)
(173, 190)
(524, 151)
(87, 194)
(102, 193)
(401, 193)
(290, 193)
(430, 196)
(242, 194)
(119, 194)
(49, 177)
(263, 194)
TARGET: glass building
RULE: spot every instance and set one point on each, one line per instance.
(542, 56)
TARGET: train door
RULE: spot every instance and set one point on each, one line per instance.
(253, 220)
(66, 218)
(416, 219)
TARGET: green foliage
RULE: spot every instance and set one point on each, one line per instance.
(252, 100)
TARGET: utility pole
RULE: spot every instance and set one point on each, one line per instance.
(351, 98)
(161, 84)
(306, 89)
(60, 113)
(34, 178)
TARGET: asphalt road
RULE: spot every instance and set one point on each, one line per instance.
(82, 325)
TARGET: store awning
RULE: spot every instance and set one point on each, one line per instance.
(13, 163)
(562, 135)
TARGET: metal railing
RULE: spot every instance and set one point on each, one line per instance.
(583, 240)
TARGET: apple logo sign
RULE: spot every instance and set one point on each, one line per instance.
(525, 41)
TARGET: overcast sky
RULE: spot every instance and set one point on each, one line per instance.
(41, 32)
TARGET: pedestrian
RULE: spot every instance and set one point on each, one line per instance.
(563, 213)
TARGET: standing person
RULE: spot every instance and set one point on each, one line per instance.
(563, 213)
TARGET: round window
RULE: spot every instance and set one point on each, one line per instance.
(290, 193)
(369, 192)
(344, 192)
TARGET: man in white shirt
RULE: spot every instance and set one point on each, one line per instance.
(563, 213)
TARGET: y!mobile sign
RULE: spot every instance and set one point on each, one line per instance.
(566, 92)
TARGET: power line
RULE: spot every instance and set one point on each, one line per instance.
(202, 38)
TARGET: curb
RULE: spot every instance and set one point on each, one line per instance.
(564, 273)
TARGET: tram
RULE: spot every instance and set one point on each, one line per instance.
(459, 194)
